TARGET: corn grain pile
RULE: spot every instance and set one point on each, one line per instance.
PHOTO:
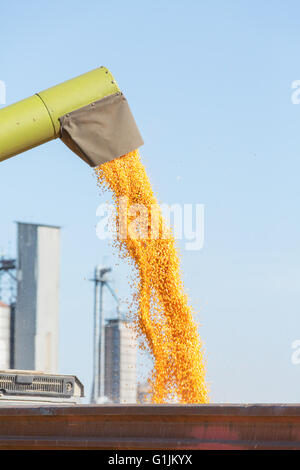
(163, 318)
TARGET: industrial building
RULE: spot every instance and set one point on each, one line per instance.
(37, 306)
(29, 325)
(120, 384)
(115, 348)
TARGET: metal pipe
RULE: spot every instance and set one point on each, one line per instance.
(101, 390)
(35, 120)
(94, 395)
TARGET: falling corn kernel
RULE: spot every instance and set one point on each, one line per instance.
(162, 316)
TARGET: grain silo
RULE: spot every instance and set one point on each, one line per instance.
(36, 315)
(120, 362)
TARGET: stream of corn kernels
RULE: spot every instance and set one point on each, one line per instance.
(163, 318)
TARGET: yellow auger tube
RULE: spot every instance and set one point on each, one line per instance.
(35, 120)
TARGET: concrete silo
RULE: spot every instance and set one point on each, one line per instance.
(36, 314)
(120, 362)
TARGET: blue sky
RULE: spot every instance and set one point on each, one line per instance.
(209, 83)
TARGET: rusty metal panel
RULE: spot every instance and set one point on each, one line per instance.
(151, 427)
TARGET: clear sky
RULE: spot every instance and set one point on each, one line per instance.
(209, 83)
